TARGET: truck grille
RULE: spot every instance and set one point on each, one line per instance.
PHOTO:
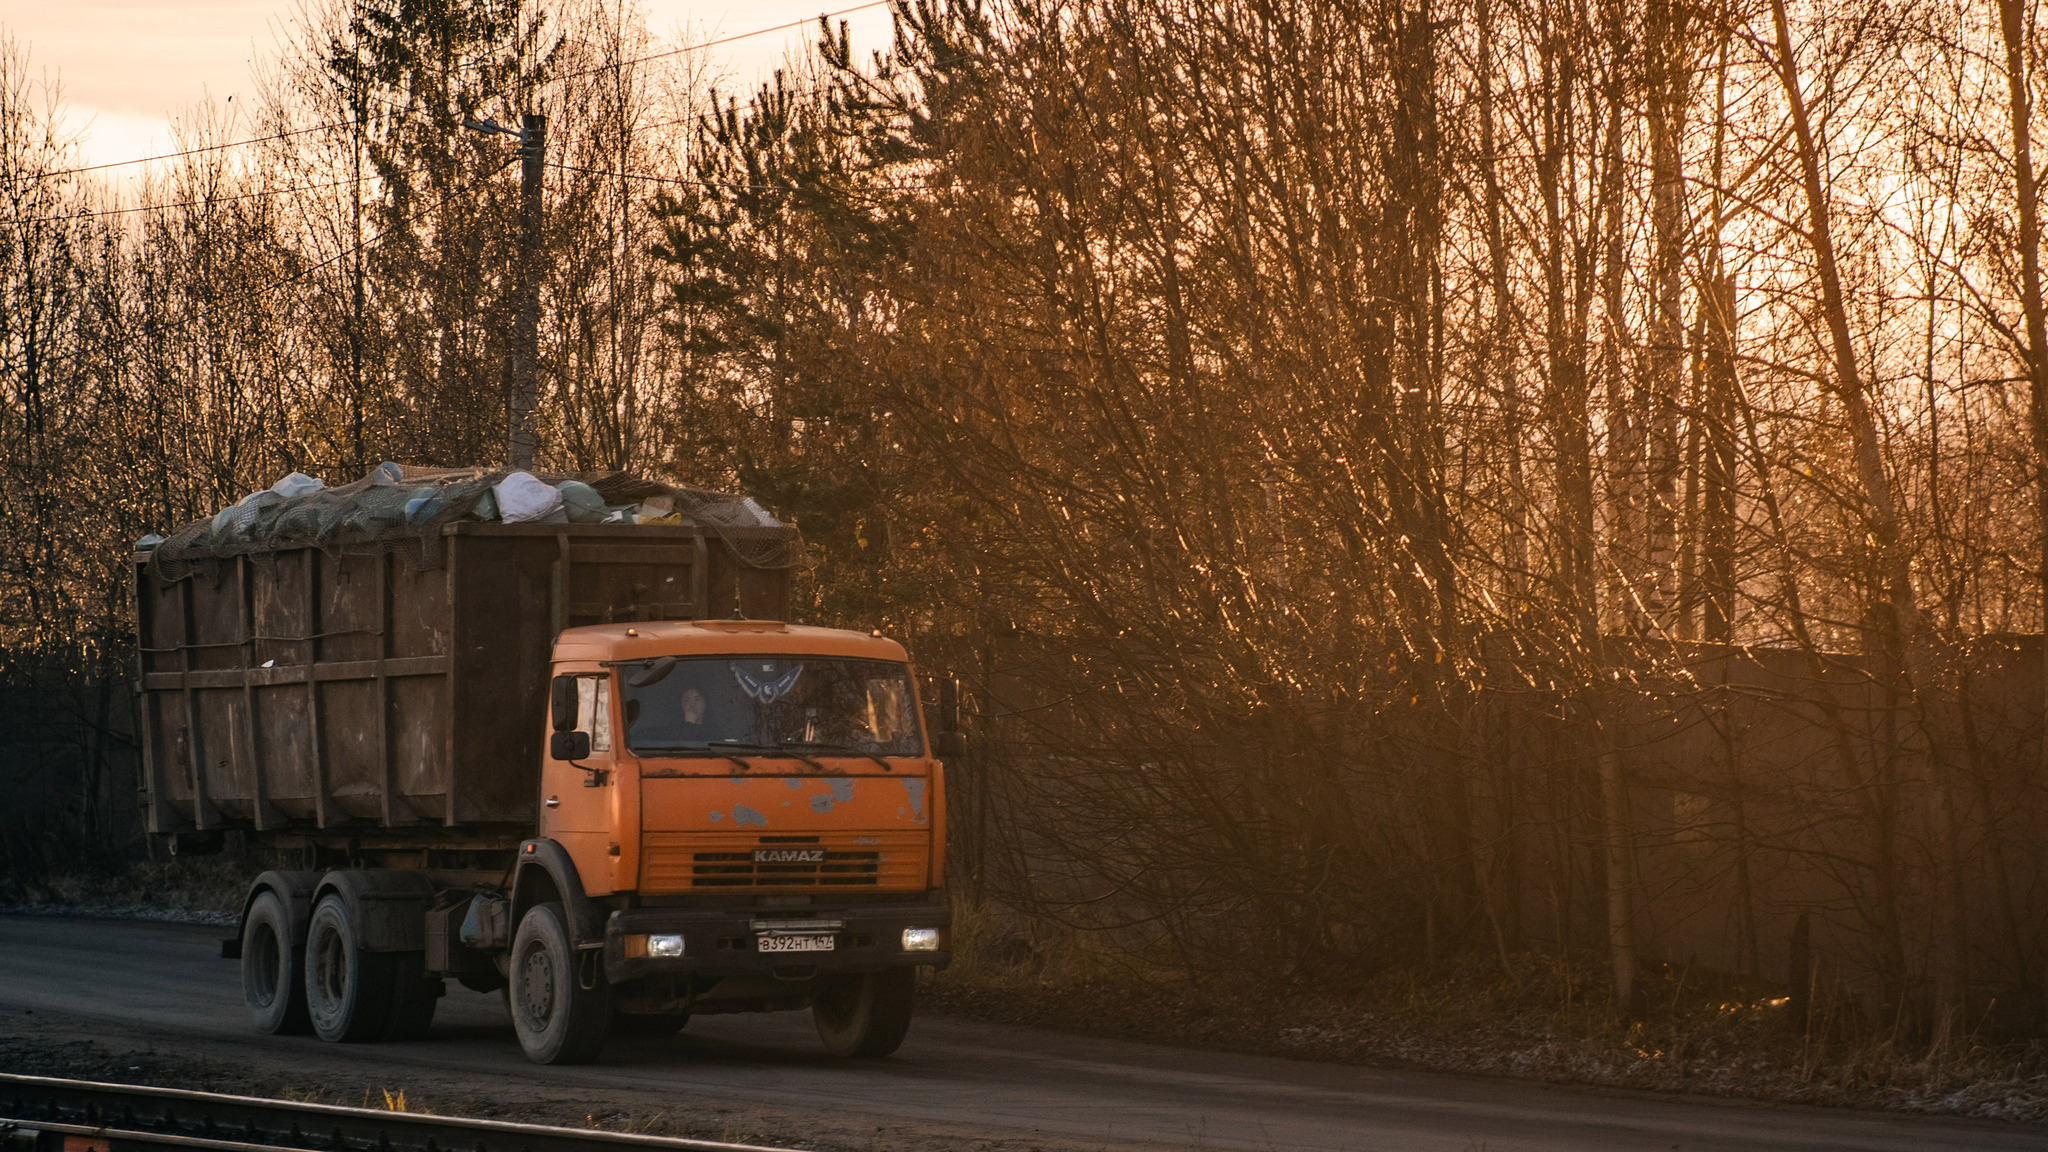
(683, 862)
(738, 870)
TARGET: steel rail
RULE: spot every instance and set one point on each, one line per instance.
(44, 1114)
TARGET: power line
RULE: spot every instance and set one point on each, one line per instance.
(565, 76)
(721, 40)
(210, 200)
(301, 274)
(711, 183)
(753, 103)
(197, 151)
(665, 179)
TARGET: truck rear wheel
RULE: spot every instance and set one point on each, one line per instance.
(273, 969)
(413, 996)
(867, 1015)
(348, 990)
(560, 1011)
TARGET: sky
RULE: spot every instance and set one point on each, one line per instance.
(126, 67)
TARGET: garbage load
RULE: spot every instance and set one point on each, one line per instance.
(400, 507)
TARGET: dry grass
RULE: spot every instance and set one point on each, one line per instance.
(1538, 1016)
(203, 889)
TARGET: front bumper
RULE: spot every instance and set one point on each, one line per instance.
(719, 942)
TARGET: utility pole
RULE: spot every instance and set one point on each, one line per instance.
(524, 373)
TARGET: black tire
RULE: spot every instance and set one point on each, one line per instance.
(865, 1016)
(413, 996)
(491, 982)
(558, 1019)
(274, 969)
(348, 990)
(646, 1024)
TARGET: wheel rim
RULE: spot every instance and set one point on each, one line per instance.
(263, 979)
(331, 969)
(537, 990)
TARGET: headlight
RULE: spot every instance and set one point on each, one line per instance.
(920, 939)
(638, 947)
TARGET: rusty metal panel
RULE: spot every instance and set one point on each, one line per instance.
(225, 765)
(349, 730)
(159, 627)
(290, 781)
(351, 611)
(503, 637)
(219, 623)
(420, 624)
(315, 689)
(161, 623)
(610, 582)
(762, 594)
(418, 731)
(281, 610)
(174, 752)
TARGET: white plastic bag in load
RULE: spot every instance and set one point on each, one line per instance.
(387, 473)
(522, 498)
(297, 484)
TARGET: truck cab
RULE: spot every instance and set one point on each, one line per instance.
(738, 815)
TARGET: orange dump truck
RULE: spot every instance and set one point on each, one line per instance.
(579, 759)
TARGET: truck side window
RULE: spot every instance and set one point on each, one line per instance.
(594, 712)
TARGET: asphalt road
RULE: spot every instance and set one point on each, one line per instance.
(955, 1083)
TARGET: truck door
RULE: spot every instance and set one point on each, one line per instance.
(577, 796)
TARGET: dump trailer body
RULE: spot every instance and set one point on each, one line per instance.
(334, 693)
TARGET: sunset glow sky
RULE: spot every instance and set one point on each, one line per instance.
(128, 67)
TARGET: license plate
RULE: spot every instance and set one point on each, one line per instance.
(796, 943)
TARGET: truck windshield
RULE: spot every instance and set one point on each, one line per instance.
(724, 704)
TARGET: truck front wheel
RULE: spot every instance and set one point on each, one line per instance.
(273, 969)
(559, 1010)
(348, 990)
(865, 1015)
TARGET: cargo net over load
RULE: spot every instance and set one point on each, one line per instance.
(404, 509)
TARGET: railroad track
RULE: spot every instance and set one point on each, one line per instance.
(41, 1114)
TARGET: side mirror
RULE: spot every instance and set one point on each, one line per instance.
(569, 746)
(562, 704)
(948, 745)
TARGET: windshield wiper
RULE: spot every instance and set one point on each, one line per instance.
(820, 746)
(767, 749)
(709, 751)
